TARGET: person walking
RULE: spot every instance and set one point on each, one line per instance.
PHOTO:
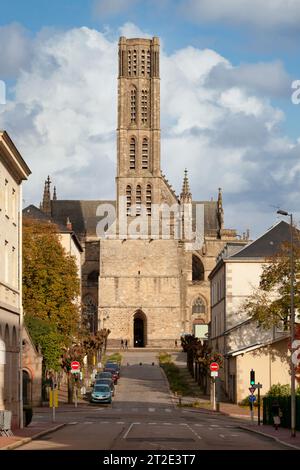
(276, 412)
(122, 344)
(126, 344)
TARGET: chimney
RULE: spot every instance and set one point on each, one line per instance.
(69, 224)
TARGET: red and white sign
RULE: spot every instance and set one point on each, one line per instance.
(75, 365)
(214, 366)
(252, 390)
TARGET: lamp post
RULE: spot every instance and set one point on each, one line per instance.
(292, 325)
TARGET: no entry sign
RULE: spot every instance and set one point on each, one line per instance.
(75, 365)
(214, 366)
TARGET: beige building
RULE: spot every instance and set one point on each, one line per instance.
(144, 275)
(13, 170)
(244, 345)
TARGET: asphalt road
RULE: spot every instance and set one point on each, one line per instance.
(142, 417)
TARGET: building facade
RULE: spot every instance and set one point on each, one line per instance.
(13, 171)
(237, 337)
(144, 275)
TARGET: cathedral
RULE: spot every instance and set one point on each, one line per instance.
(143, 274)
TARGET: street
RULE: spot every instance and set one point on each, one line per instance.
(143, 417)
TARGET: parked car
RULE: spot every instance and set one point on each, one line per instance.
(101, 394)
(113, 365)
(106, 382)
(113, 372)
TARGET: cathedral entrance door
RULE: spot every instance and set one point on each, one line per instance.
(139, 330)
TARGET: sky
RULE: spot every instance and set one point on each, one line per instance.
(227, 69)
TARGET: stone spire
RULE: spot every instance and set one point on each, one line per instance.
(186, 195)
(54, 194)
(46, 204)
(220, 210)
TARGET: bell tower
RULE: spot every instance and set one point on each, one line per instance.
(138, 133)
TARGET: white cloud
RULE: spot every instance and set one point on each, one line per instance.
(15, 49)
(282, 14)
(64, 115)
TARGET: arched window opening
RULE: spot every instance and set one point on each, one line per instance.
(133, 105)
(198, 269)
(148, 63)
(92, 278)
(145, 154)
(138, 200)
(143, 64)
(148, 199)
(132, 154)
(198, 307)
(128, 200)
(129, 63)
(134, 62)
(144, 106)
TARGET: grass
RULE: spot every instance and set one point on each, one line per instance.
(112, 357)
(177, 382)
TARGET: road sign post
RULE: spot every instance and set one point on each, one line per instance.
(214, 367)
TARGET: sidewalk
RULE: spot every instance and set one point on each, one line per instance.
(22, 436)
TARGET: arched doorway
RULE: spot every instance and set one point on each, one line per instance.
(139, 330)
(27, 388)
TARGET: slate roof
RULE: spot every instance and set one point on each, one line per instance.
(268, 244)
(82, 214)
(32, 212)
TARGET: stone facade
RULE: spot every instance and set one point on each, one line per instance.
(151, 288)
(13, 170)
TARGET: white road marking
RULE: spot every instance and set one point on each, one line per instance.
(234, 435)
(120, 422)
(215, 426)
(167, 410)
(152, 423)
(88, 422)
(183, 424)
(167, 424)
(194, 432)
(151, 409)
(134, 409)
(104, 422)
(199, 425)
(129, 429)
(222, 435)
(74, 422)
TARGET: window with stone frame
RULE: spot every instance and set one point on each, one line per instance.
(132, 153)
(128, 200)
(143, 62)
(148, 63)
(144, 106)
(90, 313)
(148, 199)
(138, 200)
(134, 63)
(197, 269)
(129, 63)
(198, 307)
(133, 105)
(145, 154)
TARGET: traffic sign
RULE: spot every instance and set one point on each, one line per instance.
(252, 397)
(252, 390)
(214, 373)
(214, 366)
(75, 365)
(257, 386)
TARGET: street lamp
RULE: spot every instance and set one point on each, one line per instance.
(292, 326)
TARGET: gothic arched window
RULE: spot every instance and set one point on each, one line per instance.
(132, 153)
(133, 105)
(90, 313)
(148, 199)
(138, 200)
(145, 154)
(128, 200)
(144, 106)
(198, 269)
(198, 307)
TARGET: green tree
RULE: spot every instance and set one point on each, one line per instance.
(50, 291)
(269, 305)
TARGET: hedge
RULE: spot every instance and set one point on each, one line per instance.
(285, 407)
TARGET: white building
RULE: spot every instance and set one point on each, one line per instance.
(246, 346)
(13, 170)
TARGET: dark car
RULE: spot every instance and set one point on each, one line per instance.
(101, 394)
(103, 375)
(106, 382)
(113, 372)
(114, 366)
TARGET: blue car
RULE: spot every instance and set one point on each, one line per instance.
(101, 394)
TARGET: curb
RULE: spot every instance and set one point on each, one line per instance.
(270, 437)
(171, 396)
(25, 440)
